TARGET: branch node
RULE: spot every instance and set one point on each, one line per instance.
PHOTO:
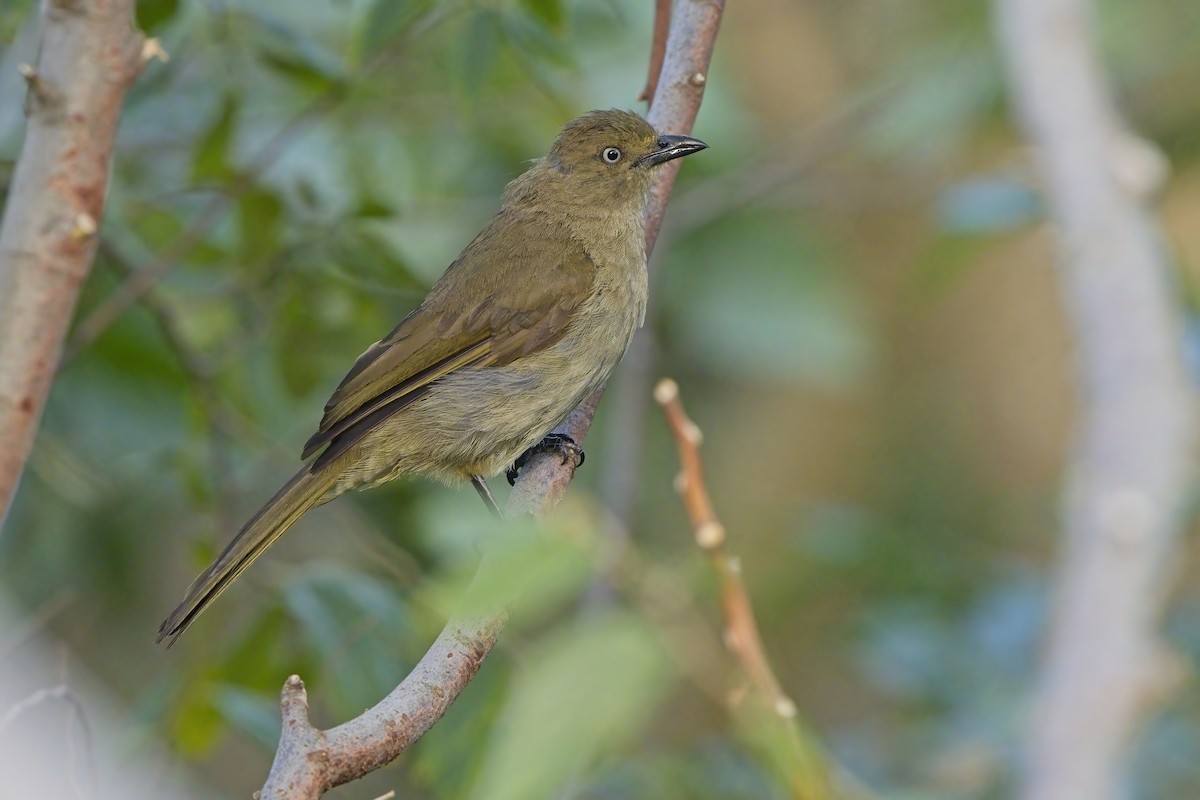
(710, 535)
(41, 91)
(698, 79)
(666, 391)
(152, 48)
(785, 708)
(84, 227)
(293, 704)
(1138, 166)
(680, 483)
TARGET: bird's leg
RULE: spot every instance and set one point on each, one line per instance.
(553, 443)
(486, 494)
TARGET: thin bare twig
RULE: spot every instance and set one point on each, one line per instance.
(741, 629)
(90, 55)
(310, 761)
(1131, 469)
(807, 771)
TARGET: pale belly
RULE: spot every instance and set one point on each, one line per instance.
(476, 422)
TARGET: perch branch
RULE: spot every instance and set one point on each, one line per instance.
(310, 761)
(1131, 465)
(89, 57)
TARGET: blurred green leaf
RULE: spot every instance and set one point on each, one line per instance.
(480, 47)
(388, 20)
(197, 725)
(584, 692)
(357, 625)
(153, 14)
(372, 207)
(157, 228)
(251, 712)
(304, 63)
(782, 317)
(550, 12)
(359, 256)
(534, 43)
(212, 159)
(260, 223)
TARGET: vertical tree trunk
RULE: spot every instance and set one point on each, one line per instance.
(91, 52)
(1132, 461)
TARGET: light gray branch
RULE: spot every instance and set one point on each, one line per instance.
(90, 55)
(311, 761)
(1132, 460)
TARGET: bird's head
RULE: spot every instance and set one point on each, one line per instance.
(612, 156)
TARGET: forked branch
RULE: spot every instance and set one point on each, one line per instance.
(311, 761)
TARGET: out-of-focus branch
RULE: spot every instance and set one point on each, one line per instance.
(658, 47)
(91, 53)
(61, 693)
(800, 760)
(1131, 466)
(311, 761)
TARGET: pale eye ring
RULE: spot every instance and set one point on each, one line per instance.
(611, 155)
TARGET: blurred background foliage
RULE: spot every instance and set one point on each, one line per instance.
(855, 290)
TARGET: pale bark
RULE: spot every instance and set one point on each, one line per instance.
(1132, 461)
(90, 54)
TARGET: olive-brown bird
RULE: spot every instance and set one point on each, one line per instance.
(528, 321)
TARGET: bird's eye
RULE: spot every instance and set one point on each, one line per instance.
(611, 155)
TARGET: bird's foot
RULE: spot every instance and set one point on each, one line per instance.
(553, 443)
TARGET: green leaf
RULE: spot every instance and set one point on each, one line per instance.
(303, 62)
(197, 725)
(251, 712)
(153, 14)
(534, 43)
(358, 628)
(388, 20)
(480, 46)
(260, 214)
(371, 207)
(211, 161)
(588, 690)
(359, 256)
(550, 12)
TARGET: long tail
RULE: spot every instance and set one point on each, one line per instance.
(297, 496)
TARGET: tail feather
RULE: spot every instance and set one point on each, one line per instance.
(297, 496)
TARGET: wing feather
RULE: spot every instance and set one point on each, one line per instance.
(513, 291)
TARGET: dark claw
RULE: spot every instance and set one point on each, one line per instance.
(553, 443)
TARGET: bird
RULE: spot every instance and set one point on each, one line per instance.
(528, 321)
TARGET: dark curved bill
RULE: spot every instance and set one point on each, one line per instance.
(671, 147)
